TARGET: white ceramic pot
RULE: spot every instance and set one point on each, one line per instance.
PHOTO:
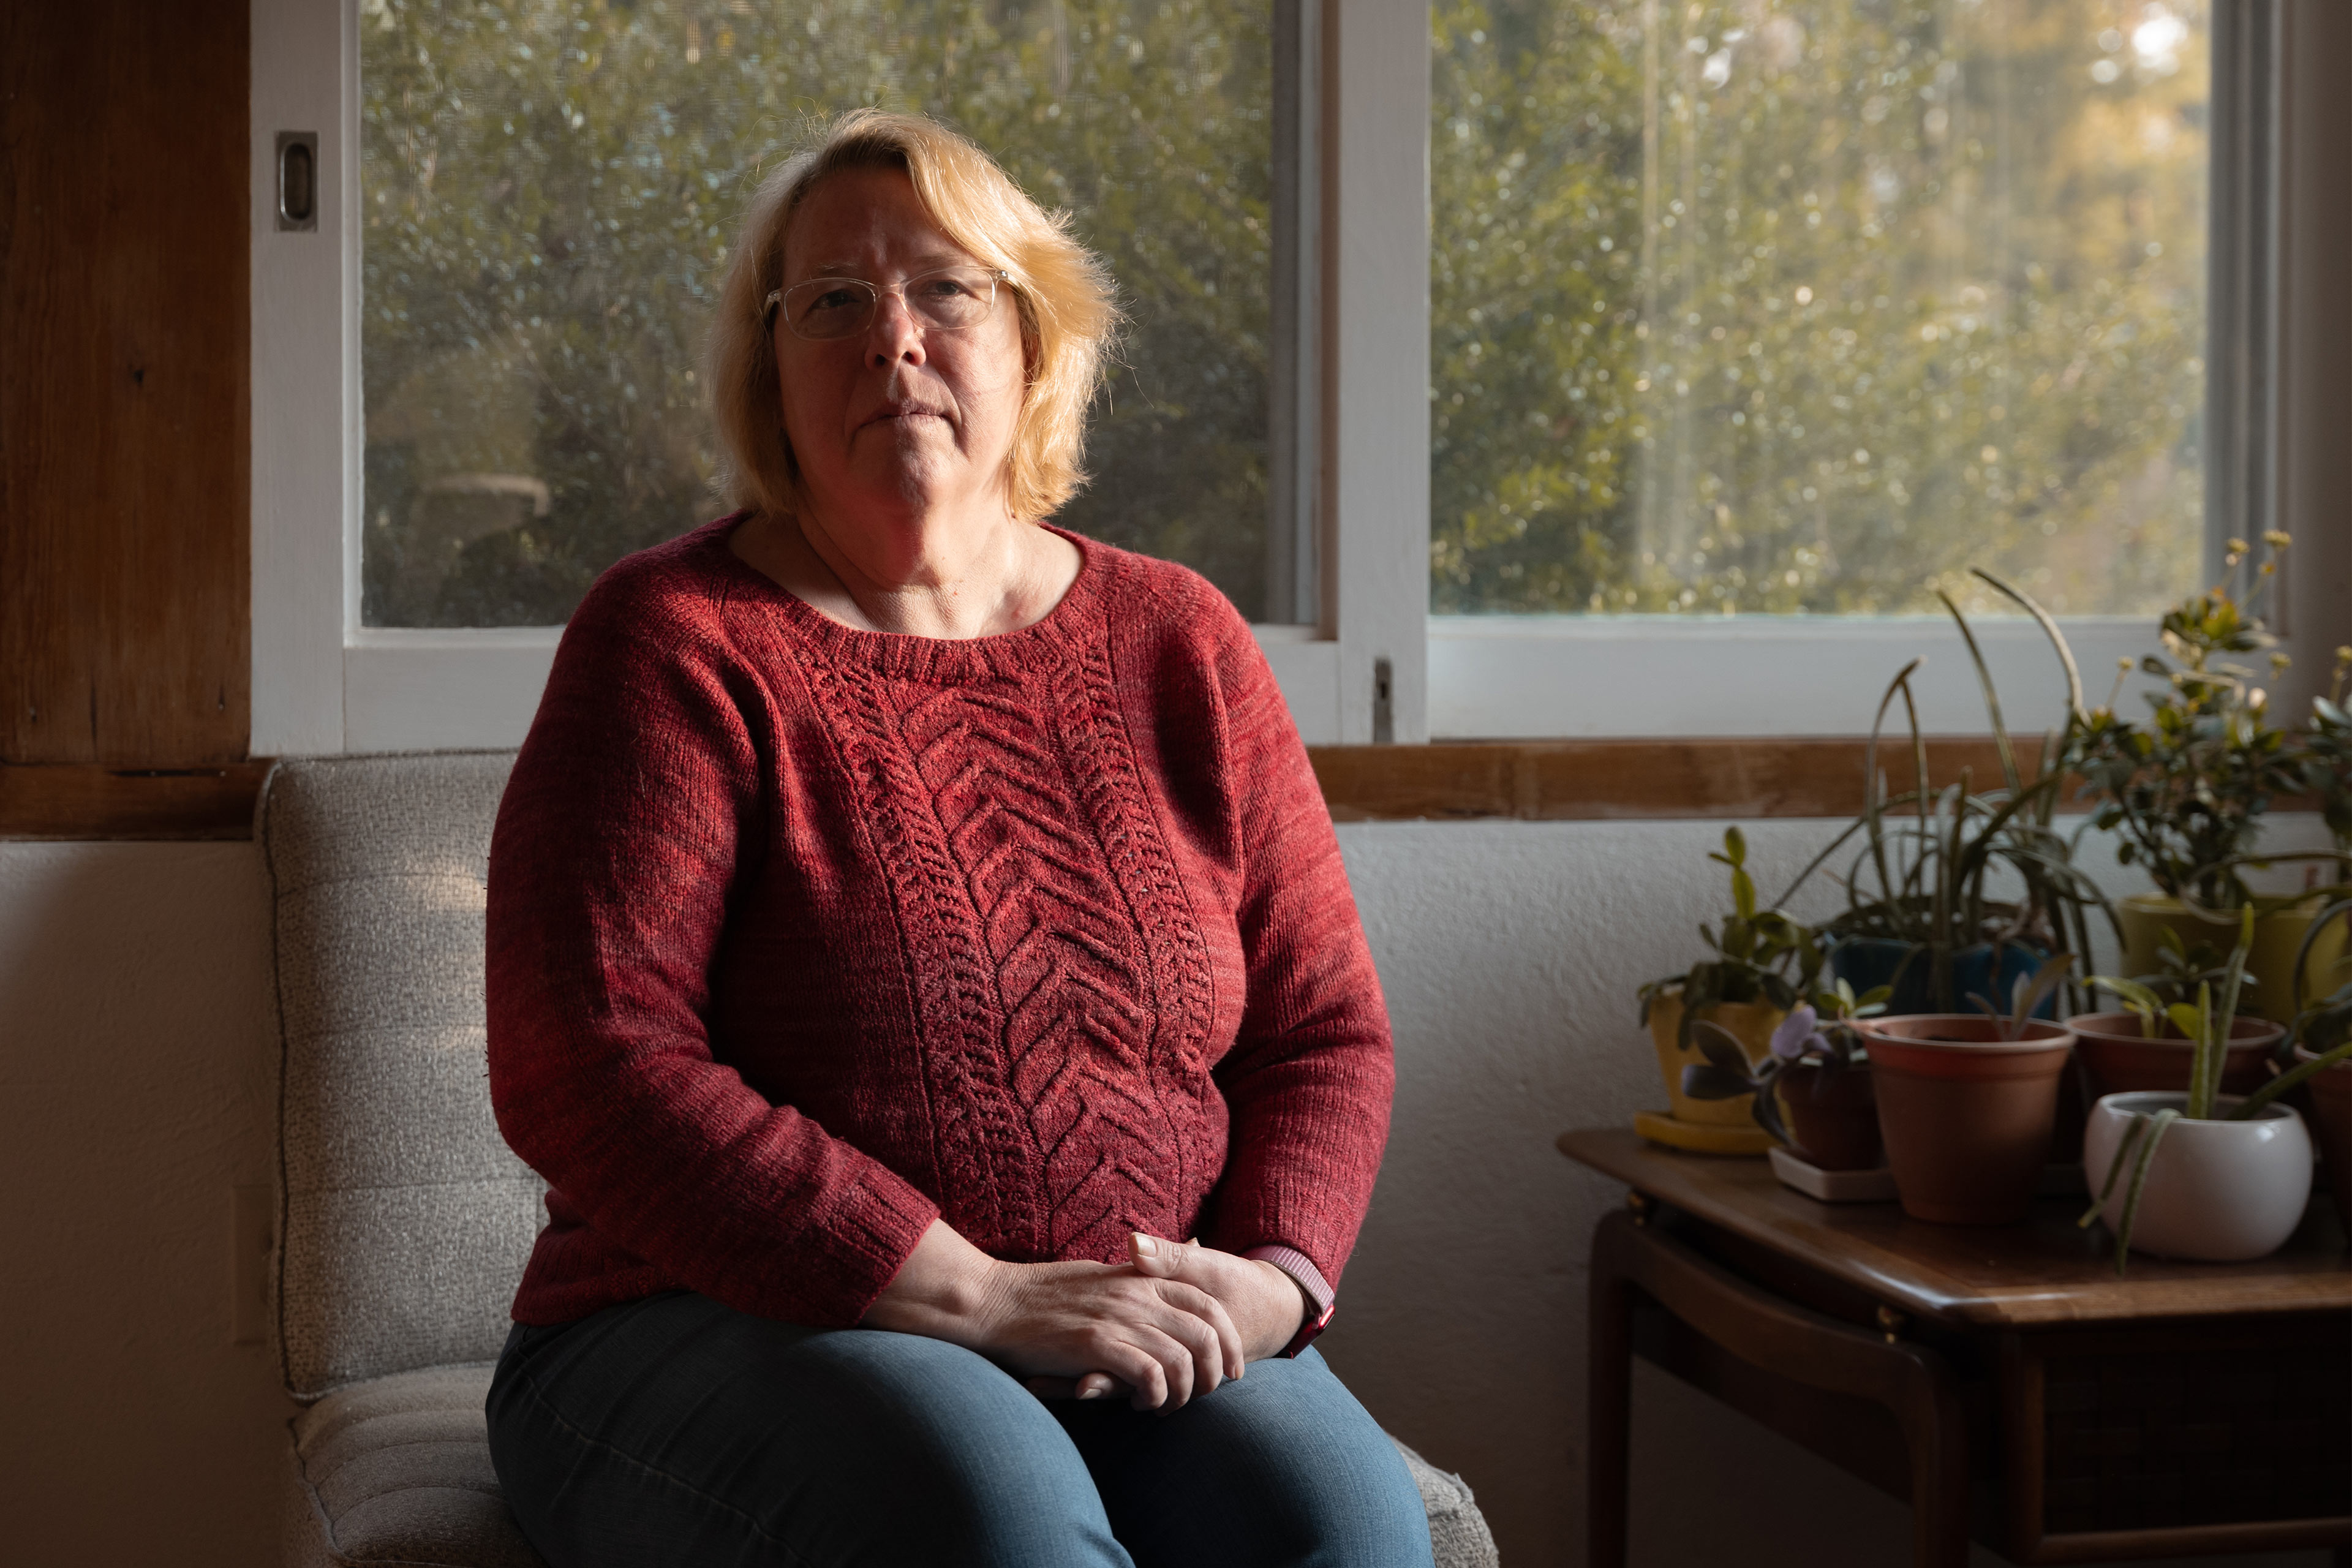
(2218, 1191)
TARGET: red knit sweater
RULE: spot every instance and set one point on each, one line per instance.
(801, 936)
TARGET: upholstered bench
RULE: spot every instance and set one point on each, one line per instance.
(404, 1219)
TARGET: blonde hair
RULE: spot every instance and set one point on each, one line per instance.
(1062, 290)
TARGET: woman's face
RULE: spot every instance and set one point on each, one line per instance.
(898, 418)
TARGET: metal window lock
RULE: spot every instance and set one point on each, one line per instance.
(298, 180)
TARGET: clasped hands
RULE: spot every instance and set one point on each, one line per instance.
(1176, 1319)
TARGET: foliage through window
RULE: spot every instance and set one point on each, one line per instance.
(1811, 305)
(548, 187)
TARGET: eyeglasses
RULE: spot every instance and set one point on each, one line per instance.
(824, 309)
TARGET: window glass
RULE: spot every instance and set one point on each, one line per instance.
(548, 188)
(1812, 305)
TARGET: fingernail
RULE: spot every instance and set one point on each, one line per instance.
(1090, 1394)
(1144, 1245)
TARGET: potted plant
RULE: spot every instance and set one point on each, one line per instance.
(1918, 919)
(2187, 790)
(2197, 1173)
(1812, 1089)
(1967, 1102)
(1762, 962)
(2140, 1047)
(2319, 1030)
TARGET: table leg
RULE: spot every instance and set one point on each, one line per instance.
(1609, 1385)
(1910, 1381)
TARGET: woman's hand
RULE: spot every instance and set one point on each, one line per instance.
(1161, 1338)
(1266, 1304)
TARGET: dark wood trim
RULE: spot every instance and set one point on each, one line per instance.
(85, 801)
(1637, 779)
(126, 513)
(1535, 781)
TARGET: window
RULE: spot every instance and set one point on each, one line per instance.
(1807, 309)
(1864, 291)
(547, 195)
(1813, 318)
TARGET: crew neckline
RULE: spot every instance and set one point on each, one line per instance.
(1050, 632)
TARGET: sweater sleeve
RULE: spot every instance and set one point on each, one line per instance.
(1309, 1082)
(633, 811)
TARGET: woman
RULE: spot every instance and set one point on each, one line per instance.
(907, 921)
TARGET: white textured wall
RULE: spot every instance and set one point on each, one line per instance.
(136, 1093)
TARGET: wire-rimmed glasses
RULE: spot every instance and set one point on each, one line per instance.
(825, 310)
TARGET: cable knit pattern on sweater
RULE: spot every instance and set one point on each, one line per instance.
(801, 936)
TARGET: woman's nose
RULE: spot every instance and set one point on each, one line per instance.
(896, 335)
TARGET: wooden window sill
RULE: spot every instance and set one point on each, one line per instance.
(1639, 780)
(1531, 780)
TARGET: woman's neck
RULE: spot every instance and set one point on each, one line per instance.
(982, 578)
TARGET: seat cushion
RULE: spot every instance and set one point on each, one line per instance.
(397, 1471)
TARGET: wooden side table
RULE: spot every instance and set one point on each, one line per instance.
(2184, 1409)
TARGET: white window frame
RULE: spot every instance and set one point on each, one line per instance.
(1377, 666)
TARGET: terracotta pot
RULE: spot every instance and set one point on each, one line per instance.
(2331, 1123)
(1749, 1023)
(2217, 1191)
(2145, 916)
(1834, 1116)
(2122, 1060)
(1967, 1117)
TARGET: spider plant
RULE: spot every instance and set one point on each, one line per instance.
(1920, 874)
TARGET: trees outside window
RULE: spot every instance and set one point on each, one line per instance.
(1810, 307)
(548, 188)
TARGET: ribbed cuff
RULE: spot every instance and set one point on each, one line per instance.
(1320, 1300)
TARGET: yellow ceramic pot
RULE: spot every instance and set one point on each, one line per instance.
(1749, 1023)
(2145, 916)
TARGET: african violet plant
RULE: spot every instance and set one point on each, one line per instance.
(1760, 954)
(1820, 1031)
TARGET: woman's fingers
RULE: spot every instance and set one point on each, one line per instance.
(1085, 1331)
(1231, 1283)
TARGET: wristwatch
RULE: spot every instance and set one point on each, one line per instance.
(1311, 1285)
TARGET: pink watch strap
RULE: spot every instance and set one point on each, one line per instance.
(1311, 1284)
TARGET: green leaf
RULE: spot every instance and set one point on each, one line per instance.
(2029, 993)
(2163, 1119)
(2288, 1081)
(2187, 1019)
(2137, 1125)
(1743, 894)
(1739, 938)
(1735, 844)
(1720, 1048)
(2135, 996)
(1702, 1080)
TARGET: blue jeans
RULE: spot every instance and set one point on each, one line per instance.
(675, 1430)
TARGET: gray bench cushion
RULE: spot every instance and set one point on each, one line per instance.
(398, 1471)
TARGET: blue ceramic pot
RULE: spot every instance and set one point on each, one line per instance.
(1866, 963)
